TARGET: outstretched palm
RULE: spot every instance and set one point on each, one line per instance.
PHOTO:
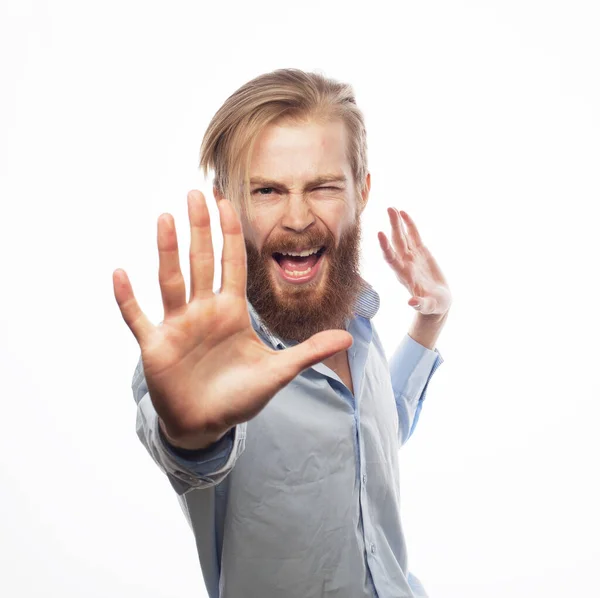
(205, 367)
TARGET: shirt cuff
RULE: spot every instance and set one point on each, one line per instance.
(411, 368)
(202, 461)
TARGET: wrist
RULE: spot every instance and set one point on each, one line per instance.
(191, 442)
(426, 329)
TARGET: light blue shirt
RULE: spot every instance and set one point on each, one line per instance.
(303, 501)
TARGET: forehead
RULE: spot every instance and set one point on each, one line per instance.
(300, 151)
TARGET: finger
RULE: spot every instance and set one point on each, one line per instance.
(202, 258)
(172, 284)
(388, 252)
(313, 350)
(134, 317)
(398, 236)
(411, 227)
(233, 261)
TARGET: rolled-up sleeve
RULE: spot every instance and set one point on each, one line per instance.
(411, 367)
(186, 470)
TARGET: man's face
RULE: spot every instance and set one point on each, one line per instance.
(304, 201)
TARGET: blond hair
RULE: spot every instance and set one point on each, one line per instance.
(284, 94)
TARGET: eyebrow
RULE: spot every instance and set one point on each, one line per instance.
(320, 180)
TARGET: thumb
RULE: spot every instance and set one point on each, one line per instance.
(318, 347)
(424, 305)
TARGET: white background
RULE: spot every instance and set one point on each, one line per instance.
(483, 125)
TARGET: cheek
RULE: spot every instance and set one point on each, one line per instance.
(264, 228)
(253, 234)
(260, 238)
(337, 223)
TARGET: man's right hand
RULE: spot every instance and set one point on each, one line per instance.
(205, 367)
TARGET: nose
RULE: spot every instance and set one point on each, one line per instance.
(298, 215)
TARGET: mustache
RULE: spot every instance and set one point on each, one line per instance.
(292, 243)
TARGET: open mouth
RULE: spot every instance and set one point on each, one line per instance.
(299, 266)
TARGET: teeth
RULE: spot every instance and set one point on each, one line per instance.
(305, 253)
(296, 273)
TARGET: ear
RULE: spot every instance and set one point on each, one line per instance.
(365, 193)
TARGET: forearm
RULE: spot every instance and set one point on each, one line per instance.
(184, 473)
(426, 329)
(411, 367)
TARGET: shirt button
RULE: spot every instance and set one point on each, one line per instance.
(373, 549)
(364, 478)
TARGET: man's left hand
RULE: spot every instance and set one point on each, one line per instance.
(415, 267)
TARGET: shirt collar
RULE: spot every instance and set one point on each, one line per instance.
(366, 306)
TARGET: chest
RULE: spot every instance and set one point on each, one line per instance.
(302, 472)
(340, 364)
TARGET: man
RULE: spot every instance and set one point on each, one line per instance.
(270, 405)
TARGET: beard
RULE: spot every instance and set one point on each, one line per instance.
(297, 311)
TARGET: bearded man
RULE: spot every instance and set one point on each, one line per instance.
(270, 404)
